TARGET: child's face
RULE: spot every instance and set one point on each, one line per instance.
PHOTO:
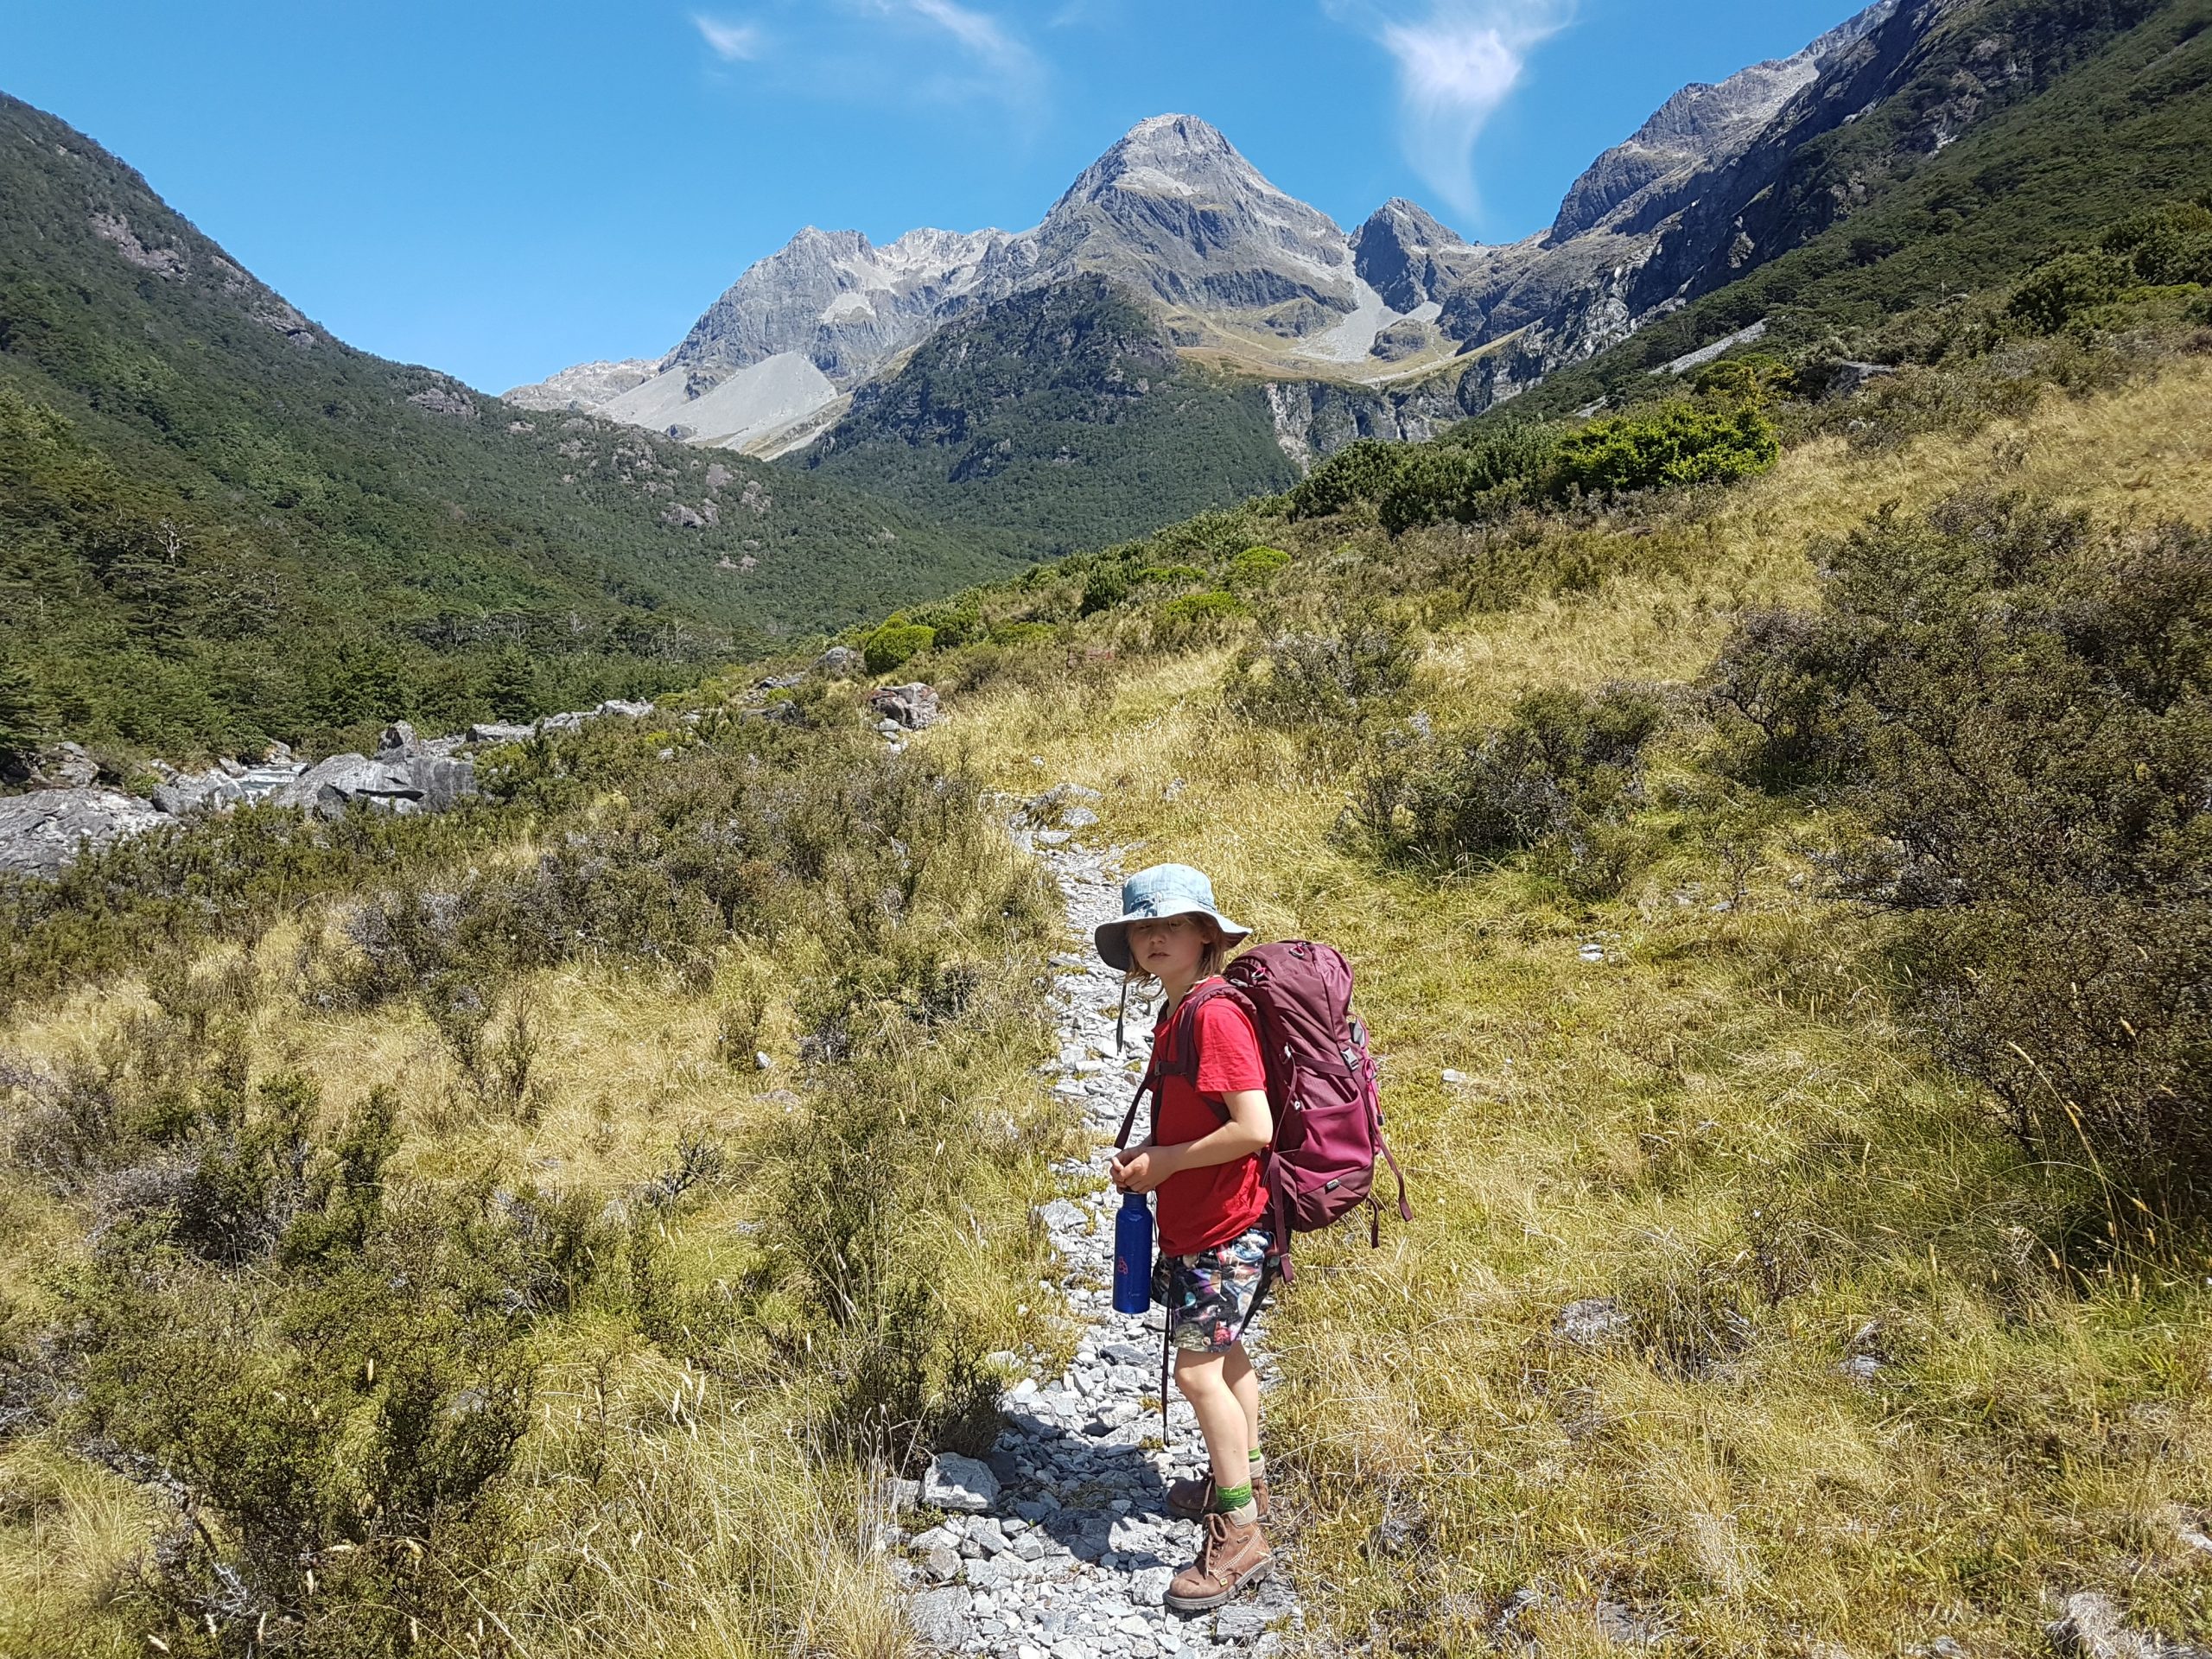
(1169, 948)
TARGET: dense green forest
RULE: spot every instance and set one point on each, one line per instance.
(218, 524)
(1062, 418)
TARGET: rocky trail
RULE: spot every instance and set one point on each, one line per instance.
(1061, 1543)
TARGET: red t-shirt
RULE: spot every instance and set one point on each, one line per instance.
(1201, 1208)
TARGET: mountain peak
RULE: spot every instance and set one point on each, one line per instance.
(1176, 134)
(1173, 208)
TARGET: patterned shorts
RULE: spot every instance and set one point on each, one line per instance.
(1206, 1294)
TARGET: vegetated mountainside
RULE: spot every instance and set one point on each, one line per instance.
(1770, 833)
(1062, 416)
(218, 524)
(1950, 160)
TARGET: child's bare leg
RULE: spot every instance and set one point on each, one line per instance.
(1221, 1415)
(1244, 1382)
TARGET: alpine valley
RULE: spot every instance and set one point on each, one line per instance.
(1056, 384)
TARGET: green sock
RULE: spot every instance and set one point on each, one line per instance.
(1231, 1501)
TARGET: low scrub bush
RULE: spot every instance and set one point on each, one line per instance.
(1560, 780)
(1197, 618)
(1335, 681)
(894, 644)
(1484, 471)
(1675, 444)
(2016, 699)
(1255, 567)
(1360, 472)
(2161, 247)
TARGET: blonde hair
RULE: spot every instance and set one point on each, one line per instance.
(1215, 956)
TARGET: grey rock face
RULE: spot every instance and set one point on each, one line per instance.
(835, 298)
(327, 788)
(66, 766)
(839, 662)
(1410, 259)
(1175, 211)
(41, 833)
(587, 387)
(963, 1484)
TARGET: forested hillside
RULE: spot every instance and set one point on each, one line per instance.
(220, 525)
(1062, 418)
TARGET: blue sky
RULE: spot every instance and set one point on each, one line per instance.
(501, 189)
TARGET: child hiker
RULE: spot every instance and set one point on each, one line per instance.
(1210, 1121)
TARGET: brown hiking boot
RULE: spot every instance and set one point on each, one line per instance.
(1191, 1499)
(1231, 1557)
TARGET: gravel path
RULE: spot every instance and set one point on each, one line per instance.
(1061, 1544)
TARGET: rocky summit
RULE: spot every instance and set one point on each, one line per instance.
(1174, 209)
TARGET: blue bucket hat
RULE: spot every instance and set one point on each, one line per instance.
(1163, 890)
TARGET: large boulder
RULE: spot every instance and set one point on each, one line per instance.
(839, 662)
(492, 732)
(444, 781)
(199, 791)
(911, 706)
(327, 788)
(66, 766)
(41, 833)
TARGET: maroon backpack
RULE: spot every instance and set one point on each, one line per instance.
(1321, 1086)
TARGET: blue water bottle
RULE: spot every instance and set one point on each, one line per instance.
(1132, 1256)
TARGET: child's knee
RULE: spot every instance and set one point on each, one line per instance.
(1199, 1373)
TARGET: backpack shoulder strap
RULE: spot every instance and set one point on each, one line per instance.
(1174, 1053)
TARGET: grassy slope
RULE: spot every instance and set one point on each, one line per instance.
(221, 506)
(1626, 1127)
(1061, 418)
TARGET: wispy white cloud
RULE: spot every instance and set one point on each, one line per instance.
(1012, 70)
(731, 42)
(1458, 60)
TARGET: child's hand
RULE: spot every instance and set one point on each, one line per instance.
(1141, 1169)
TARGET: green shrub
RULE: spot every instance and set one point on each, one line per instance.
(1023, 633)
(1107, 586)
(891, 645)
(2165, 245)
(1560, 779)
(1677, 443)
(1257, 566)
(1360, 472)
(1198, 617)
(1172, 575)
(21, 722)
(1475, 472)
(1758, 378)
(2019, 702)
(2061, 290)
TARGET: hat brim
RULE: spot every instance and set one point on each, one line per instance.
(1112, 937)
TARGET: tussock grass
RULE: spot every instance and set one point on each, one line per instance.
(1715, 1129)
